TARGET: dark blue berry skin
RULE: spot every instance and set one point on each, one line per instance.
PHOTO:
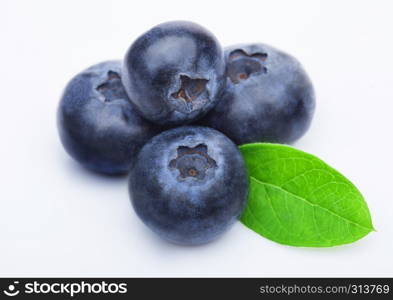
(189, 184)
(173, 73)
(96, 121)
(268, 97)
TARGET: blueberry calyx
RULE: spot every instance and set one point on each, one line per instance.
(242, 65)
(192, 94)
(111, 89)
(193, 161)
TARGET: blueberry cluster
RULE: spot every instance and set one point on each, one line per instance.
(171, 115)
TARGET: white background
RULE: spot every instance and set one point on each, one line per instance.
(56, 219)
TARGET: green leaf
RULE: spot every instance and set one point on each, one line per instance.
(296, 199)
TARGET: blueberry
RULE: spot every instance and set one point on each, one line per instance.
(97, 124)
(189, 184)
(173, 72)
(268, 97)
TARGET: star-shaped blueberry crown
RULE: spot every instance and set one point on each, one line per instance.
(193, 161)
(191, 95)
(112, 88)
(241, 65)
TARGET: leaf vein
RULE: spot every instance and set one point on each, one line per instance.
(309, 203)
